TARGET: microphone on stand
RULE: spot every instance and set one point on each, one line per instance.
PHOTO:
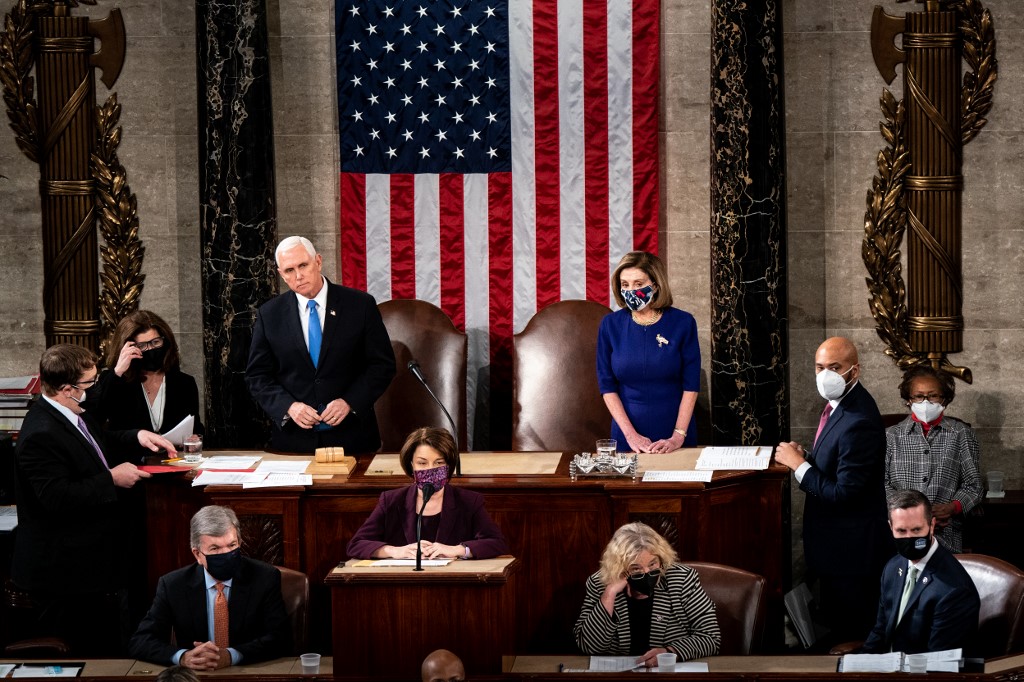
(428, 490)
(414, 367)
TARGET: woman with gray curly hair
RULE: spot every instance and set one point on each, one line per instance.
(643, 602)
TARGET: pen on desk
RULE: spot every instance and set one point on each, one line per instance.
(561, 667)
(172, 461)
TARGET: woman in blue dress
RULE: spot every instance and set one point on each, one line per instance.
(648, 360)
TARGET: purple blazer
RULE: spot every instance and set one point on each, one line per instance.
(463, 521)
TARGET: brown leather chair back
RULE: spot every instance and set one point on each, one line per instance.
(295, 591)
(423, 332)
(1001, 619)
(556, 402)
(740, 601)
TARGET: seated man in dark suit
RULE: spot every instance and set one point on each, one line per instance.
(223, 610)
(929, 602)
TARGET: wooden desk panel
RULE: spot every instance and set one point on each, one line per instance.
(556, 527)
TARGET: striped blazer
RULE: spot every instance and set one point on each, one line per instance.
(683, 618)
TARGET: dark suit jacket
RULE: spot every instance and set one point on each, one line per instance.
(942, 612)
(845, 528)
(258, 625)
(120, 404)
(463, 520)
(356, 363)
(70, 521)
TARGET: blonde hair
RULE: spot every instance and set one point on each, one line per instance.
(654, 268)
(626, 545)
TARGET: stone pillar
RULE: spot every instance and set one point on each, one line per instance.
(749, 341)
(238, 226)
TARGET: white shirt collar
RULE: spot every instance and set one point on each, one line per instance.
(924, 560)
(320, 298)
(66, 411)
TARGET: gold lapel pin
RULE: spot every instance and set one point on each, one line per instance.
(662, 341)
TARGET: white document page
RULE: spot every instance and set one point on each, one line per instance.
(226, 478)
(30, 670)
(6, 668)
(295, 465)
(183, 430)
(872, 663)
(750, 457)
(230, 462)
(946, 661)
(8, 521)
(683, 475)
(613, 664)
(280, 480)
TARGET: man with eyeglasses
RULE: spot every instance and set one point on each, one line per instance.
(934, 453)
(67, 552)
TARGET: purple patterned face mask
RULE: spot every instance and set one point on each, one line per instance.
(436, 477)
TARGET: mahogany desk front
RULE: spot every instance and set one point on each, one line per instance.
(557, 529)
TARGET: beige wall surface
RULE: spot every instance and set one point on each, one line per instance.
(832, 91)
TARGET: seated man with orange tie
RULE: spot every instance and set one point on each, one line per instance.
(929, 602)
(69, 552)
(224, 610)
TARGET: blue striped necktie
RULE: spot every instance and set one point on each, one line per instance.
(315, 333)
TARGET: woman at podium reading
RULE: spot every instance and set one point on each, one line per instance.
(144, 387)
(455, 523)
(642, 602)
(648, 360)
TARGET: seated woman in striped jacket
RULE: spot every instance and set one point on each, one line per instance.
(643, 602)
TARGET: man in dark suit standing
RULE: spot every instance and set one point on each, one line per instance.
(69, 547)
(928, 602)
(224, 610)
(846, 541)
(320, 357)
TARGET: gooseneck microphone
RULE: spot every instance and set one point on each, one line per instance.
(428, 490)
(414, 367)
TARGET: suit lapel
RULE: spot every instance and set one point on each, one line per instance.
(197, 600)
(71, 429)
(446, 526)
(410, 519)
(293, 328)
(238, 605)
(330, 319)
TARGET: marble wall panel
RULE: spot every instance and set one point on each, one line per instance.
(684, 82)
(302, 80)
(808, 64)
(300, 17)
(686, 16)
(811, 16)
(690, 276)
(685, 181)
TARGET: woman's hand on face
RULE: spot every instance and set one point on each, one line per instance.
(612, 590)
(128, 353)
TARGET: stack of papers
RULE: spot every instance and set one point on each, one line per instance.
(938, 661)
(736, 457)
(676, 476)
(233, 470)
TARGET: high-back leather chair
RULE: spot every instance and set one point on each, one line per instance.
(740, 604)
(295, 592)
(556, 402)
(423, 332)
(1001, 619)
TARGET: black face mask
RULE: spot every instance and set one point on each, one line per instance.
(152, 360)
(913, 548)
(224, 566)
(645, 584)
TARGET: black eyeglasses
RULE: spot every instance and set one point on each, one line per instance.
(158, 342)
(82, 385)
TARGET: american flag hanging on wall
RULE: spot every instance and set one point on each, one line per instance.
(496, 156)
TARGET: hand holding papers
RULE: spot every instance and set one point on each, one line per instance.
(182, 431)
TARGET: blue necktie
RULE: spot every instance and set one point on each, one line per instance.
(315, 333)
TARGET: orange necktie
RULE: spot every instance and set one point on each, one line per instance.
(220, 618)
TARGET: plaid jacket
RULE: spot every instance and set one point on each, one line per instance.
(944, 467)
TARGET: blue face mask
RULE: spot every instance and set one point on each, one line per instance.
(637, 299)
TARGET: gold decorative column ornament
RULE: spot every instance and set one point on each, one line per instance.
(81, 179)
(919, 184)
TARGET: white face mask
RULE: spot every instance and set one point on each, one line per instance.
(831, 384)
(927, 411)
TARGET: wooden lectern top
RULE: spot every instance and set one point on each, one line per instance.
(493, 571)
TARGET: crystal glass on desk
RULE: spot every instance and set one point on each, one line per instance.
(587, 464)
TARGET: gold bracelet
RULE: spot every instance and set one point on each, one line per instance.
(681, 432)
